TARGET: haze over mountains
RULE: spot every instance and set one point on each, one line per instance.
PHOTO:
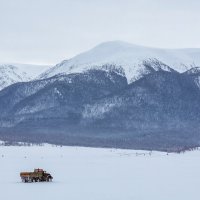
(115, 95)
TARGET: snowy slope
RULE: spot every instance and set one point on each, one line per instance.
(10, 74)
(14, 73)
(30, 69)
(100, 174)
(130, 57)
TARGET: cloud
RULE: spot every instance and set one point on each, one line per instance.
(47, 31)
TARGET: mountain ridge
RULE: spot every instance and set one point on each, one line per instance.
(10, 74)
(130, 57)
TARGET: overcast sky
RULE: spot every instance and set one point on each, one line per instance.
(48, 31)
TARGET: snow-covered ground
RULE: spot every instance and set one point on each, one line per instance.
(100, 174)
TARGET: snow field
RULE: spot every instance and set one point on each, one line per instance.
(100, 174)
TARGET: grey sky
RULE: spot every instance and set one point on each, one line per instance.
(48, 31)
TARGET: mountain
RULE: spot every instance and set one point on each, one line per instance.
(160, 98)
(14, 73)
(32, 70)
(62, 91)
(99, 108)
(115, 95)
(10, 74)
(159, 111)
(194, 73)
(132, 58)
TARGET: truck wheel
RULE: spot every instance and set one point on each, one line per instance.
(49, 179)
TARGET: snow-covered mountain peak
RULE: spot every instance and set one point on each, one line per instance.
(116, 45)
(7, 67)
(130, 57)
(10, 74)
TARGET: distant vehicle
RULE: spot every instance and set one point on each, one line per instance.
(39, 175)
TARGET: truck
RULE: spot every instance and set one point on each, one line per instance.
(38, 175)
